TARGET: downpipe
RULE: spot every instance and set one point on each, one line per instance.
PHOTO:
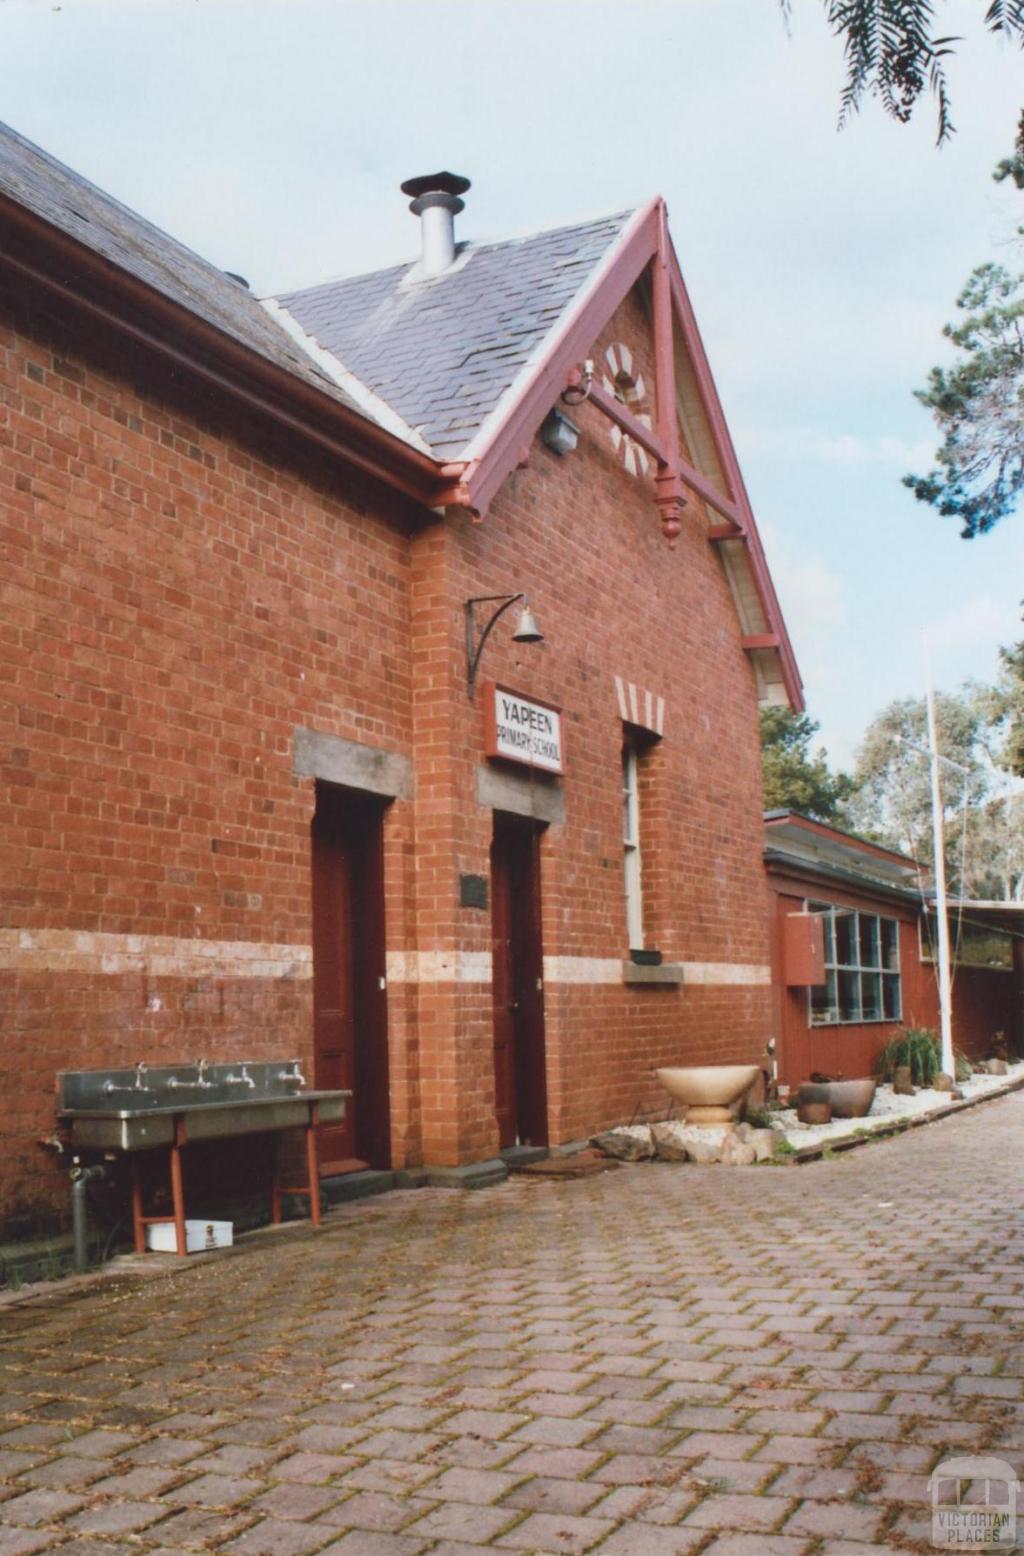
(80, 1180)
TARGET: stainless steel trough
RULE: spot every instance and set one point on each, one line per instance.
(136, 1109)
(169, 1106)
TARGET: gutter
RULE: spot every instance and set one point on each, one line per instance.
(76, 275)
(824, 829)
(802, 869)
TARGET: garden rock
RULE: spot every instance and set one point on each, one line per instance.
(942, 1082)
(705, 1152)
(624, 1147)
(667, 1145)
(902, 1084)
(737, 1153)
(764, 1142)
(996, 1066)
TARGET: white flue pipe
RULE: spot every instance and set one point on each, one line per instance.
(437, 219)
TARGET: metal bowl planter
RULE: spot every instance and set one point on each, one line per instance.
(848, 1099)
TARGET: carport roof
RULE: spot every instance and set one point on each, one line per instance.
(1008, 916)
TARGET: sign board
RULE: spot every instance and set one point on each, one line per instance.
(521, 729)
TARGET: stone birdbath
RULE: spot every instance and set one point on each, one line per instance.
(712, 1093)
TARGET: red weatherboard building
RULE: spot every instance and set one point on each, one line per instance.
(854, 958)
(251, 805)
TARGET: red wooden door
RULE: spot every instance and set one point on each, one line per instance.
(372, 1113)
(503, 984)
(520, 1079)
(349, 999)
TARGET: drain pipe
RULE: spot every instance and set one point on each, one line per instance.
(80, 1179)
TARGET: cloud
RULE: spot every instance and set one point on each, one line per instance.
(811, 595)
(980, 622)
(850, 449)
(814, 607)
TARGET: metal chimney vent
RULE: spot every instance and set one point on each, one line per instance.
(435, 199)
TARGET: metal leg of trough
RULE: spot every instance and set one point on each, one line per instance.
(138, 1225)
(79, 1218)
(312, 1164)
(275, 1181)
(178, 1195)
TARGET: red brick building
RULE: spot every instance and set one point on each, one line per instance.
(247, 805)
(854, 954)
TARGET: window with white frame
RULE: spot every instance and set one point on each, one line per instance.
(862, 967)
(631, 846)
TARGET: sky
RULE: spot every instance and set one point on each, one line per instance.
(271, 136)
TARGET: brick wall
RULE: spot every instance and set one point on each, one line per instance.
(582, 538)
(182, 588)
(180, 591)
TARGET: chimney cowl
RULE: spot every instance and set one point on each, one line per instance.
(442, 183)
(435, 200)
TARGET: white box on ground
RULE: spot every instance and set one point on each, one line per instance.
(161, 1236)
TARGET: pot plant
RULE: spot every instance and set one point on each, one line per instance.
(917, 1049)
(847, 1099)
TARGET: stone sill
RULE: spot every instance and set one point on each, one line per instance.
(664, 972)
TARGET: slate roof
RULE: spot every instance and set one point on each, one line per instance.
(69, 202)
(441, 351)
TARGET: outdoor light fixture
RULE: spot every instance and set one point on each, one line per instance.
(527, 630)
(575, 393)
(559, 433)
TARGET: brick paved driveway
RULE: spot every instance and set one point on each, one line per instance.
(660, 1361)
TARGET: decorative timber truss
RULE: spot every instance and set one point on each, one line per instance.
(503, 441)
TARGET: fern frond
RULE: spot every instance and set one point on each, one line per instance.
(1006, 16)
(892, 52)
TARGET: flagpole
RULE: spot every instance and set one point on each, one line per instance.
(941, 906)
